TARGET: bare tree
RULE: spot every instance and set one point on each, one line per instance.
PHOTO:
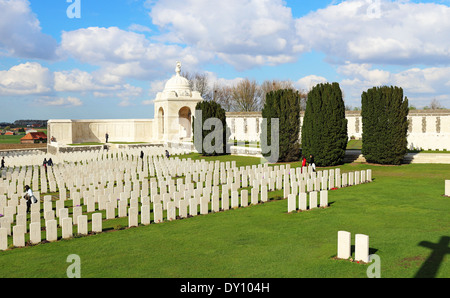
(223, 96)
(199, 82)
(274, 85)
(247, 96)
(435, 104)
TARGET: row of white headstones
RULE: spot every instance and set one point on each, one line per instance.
(163, 191)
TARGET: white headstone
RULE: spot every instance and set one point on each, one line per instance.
(19, 236)
(447, 188)
(82, 226)
(302, 204)
(244, 198)
(51, 230)
(324, 198)
(157, 213)
(35, 232)
(97, 223)
(145, 214)
(313, 200)
(3, 239)
(291, 203)
(344, 245)
(67, 228)
(362, 248)
(133, 217)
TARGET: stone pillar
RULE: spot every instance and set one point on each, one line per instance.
(344, 245)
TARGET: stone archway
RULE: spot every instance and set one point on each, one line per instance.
(161, 129)
(185, 122)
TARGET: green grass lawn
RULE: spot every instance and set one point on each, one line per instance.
(402, 208)
(15, 139)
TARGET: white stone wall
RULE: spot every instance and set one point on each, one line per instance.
(429, 130)
(82, 131)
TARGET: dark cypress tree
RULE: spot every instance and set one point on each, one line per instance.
(324, 129)
(214, 135)
(384, 114)
(283, 104)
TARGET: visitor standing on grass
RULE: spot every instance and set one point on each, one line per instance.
(303, 162)
(29, 196)
(311, 162)
(106, 137)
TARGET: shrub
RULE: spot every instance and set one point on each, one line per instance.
(385, 125)
(283, 104)
(216, 136)
(324, 130)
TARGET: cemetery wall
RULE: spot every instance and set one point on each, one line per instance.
(83, 131)
(428, 129)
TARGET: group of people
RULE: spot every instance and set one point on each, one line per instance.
(311, 162)
(48, 162)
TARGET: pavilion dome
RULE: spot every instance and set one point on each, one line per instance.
(178, 84)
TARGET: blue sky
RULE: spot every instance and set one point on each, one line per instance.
(111, 62)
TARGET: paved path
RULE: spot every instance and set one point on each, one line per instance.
(356, 156)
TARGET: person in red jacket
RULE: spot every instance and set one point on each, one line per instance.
(303, 162)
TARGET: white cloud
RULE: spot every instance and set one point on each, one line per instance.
(20, 32)
(403, 32)
(123, 54)
(60, 101)
(419, 85)
(244, 33)
(308, 82)
(25, 79)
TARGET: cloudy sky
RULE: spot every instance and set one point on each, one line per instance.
(107, 59)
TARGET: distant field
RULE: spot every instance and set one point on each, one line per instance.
(10, 139)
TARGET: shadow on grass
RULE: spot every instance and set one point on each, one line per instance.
(431, 265)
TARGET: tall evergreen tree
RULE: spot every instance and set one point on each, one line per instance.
(385, 125)
(213, 131)
(324, 129)
(283, 104)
